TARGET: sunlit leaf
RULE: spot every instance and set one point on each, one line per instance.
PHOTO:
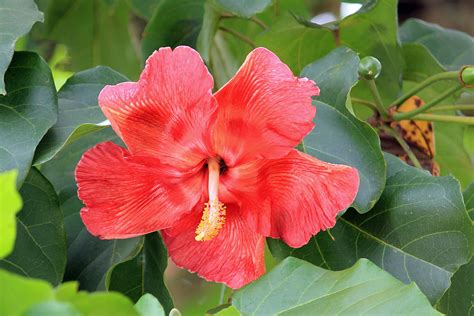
(296, 287)
(11, 203)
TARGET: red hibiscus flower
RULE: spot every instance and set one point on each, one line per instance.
(216, 173)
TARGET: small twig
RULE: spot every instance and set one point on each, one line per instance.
(253, 19)
(403, 144)
(366, 103)
(469, 120)
(462, 107)
(222, 294)
(239, 36)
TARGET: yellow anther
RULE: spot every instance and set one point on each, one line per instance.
(213, 218)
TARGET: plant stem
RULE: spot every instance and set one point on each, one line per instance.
(469, 120)
(449, 75)
(253, 19)
(404, 145)
(239, 36)
(366, 103)
(441, 97)
(451, 107)
(378, 100)
(222, 294)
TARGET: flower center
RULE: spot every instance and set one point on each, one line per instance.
(213, 216)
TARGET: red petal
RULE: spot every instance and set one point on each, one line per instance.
(294, 197)
(168, 113)
(126, 196)
(234, 256)
(264, 111)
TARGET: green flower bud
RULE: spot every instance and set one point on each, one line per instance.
(369, 68)
(467, 76)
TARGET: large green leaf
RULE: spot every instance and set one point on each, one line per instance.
(451, 154)
(95, 32)
(296, 45)
(30, 297)
(296, 287)
(79, 113)
(418, 231)
(40, 248)
(27, 111)
(11, 203)
(451, 48)
(144, 273)
(340, 137)
(17, 16)
(20, 293)
(244, 8)
(174, 23)
(374, 31)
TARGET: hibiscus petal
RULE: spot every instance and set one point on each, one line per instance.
(264, 111)
(234, 256)
(127, 196)
(294, 197)
(168, 113)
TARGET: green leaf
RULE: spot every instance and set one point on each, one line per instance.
(372, 31)
(19, 293)
(26, 296)
(451, 48)
(174, 23)
(11, 203)
(451, 154)
(296, 287)
(144, 8)
(295, 44)
(148, 305)
(103, 37)
(40, 248)
(469, 200)
(144, 273)
(458, 299)
(229, 311)
(418, 231)
(244, 8)
(27, 111)
(79, 114)
(52, 308)
(17, 16)
(340, 137)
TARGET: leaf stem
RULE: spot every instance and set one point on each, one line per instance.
(403, 144)
(462, 107)
(378, 100)
(468, 120)
(366, 103)
(253, 19)
(449, 75)
(222, 294)
(438, 99)
(239, 36)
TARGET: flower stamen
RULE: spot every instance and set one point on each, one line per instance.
(213, 216)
